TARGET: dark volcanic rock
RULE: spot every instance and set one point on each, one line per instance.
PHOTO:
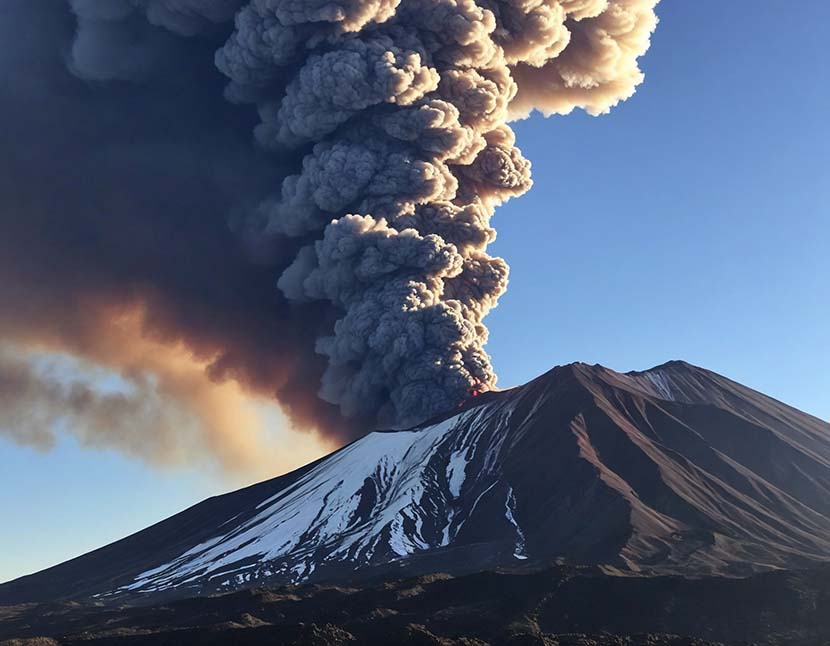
(556, 606)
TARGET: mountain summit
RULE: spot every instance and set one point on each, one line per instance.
(671, 470)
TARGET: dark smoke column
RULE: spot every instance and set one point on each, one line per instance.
(391, 116)
(401, 108)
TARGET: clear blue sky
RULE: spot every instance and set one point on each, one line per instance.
(693, 222)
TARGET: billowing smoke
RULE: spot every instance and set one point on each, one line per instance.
(299, 191)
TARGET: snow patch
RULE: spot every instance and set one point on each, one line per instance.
(661, 385)
(510, 513)
(320, 510)
(456, 471)
(384, 497)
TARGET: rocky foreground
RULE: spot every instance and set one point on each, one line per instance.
(556, 606)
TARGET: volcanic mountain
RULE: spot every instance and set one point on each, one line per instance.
(675, 470)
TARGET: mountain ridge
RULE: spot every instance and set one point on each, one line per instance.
(672, 470)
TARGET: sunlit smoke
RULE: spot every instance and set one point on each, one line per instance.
(154, 402)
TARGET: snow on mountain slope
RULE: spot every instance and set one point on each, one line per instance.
(387, 495)
(672, 470)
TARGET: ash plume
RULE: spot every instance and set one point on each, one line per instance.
(297, 191)
(161, 417)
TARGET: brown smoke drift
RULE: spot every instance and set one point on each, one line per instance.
(145, 422)
(170, 411)
(382, 151)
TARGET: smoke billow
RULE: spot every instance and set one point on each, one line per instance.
(297, 191)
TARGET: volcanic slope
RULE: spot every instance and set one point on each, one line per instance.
(675, 470)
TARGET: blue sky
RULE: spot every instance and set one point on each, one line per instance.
(693, 222)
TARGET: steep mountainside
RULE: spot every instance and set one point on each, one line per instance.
(672, 470)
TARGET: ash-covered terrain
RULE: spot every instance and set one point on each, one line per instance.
(675, 470)
(554, 606)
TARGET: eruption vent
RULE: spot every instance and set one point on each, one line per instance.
(381, 151)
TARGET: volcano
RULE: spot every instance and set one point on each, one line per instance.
(674, 470)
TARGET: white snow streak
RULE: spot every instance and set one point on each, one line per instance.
(456, 471)
(510, 509)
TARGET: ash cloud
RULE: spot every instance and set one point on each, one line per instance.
(298, 192)
(40, 397)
